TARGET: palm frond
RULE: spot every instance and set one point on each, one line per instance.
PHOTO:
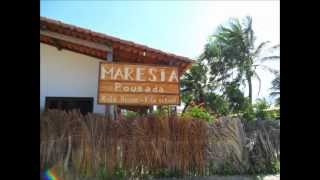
(276, 93)
(248, 23)
(276, 83)
(264, 67)
(270, 58)
(260, 47)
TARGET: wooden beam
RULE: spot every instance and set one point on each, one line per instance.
(111, 110)
(75, 40)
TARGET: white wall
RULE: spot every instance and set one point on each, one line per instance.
(68, 74)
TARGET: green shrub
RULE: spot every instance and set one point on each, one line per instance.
(167, 173)
(102, 173)
(130, 114)
(160, 113)
(261, 110)
(198, 113)
(248, 112)
(260, 106)
(274, 114)
(217, 104)
(119, 173)
(275, 166)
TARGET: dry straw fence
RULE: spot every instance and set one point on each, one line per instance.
(153, 145)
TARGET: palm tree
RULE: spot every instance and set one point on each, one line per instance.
(231, 52)
(193, 85)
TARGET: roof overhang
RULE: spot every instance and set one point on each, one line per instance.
(66, 36)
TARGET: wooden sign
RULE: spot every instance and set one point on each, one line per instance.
(138, 84)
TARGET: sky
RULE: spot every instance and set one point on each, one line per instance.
(179, 27)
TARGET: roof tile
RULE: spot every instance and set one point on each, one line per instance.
(110, 38)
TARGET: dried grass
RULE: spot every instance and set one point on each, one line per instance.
(149, 145)
(241, 147)
(227, 147)
(139, 146)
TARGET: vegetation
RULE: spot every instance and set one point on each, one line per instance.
(228, 64)
(193, 85)
(232, 56)
(130, 114)
(217, 104)
(198, 112)
(261, 110)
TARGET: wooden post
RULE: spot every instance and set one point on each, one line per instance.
(111, 110)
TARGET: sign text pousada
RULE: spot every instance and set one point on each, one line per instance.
(138, 84)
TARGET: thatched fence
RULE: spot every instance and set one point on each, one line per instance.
(157, 146)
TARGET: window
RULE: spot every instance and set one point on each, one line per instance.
(84, 104)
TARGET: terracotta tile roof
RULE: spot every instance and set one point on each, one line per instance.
(103, 38)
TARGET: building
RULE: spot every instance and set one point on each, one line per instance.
(69, 63)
